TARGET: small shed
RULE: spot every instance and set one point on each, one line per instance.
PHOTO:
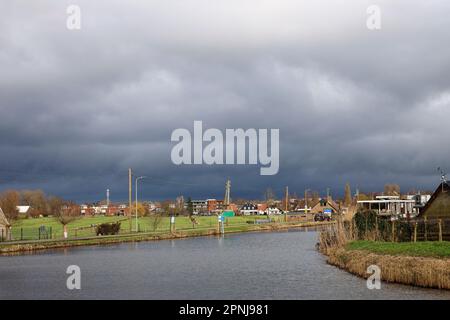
(4, 226)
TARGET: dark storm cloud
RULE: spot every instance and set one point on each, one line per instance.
(80, 107)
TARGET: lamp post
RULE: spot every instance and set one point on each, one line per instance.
(136, 188)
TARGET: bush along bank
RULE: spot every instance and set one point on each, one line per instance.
(424, 264)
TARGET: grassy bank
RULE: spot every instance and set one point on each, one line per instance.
(417, 249)
(28, 229)
(29, 246)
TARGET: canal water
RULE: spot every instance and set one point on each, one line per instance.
(275, 265)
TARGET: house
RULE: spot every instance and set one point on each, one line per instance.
(389, 206)
(214, 206)
(200, 206)
(304, 207)
(233, 207)
(4, 227)
(87, 210)
(124, 210)
(23, 210)
(272, 210)
(420, 199)
(326, 205)
(249, 209)
(262, 207)
(439, 204)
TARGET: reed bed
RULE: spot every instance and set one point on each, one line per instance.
(417, 271)
(429, 272)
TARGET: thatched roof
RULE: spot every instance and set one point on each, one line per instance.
(3, 220)
(439, 204)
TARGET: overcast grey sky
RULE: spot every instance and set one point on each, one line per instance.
(77, 108)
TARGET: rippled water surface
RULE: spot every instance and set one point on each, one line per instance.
(277, 265)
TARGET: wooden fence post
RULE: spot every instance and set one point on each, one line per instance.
(440, 230)
(376, 228)
(367, 226)
(393, 231)
(425, 228)
(415, 232)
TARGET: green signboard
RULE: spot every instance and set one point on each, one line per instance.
(228, 213)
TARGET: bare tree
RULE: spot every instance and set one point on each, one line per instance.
(347, 195)
(67, 213)
(315, 196)
(155, 221)
(9, 200)
(269, 196)
(391, 189)
(36, 199)
(55, 205)
(142, 209)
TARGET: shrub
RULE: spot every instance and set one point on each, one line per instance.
(370, 227)
(108, 228)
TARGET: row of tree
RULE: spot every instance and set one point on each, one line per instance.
(40, 203)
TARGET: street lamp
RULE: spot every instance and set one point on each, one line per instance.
(137, 179)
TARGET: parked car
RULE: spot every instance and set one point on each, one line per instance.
(321, 217)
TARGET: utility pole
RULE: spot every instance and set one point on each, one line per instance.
(130, 195)
(287, 204)
(226, 204)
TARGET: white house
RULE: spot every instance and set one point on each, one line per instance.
(23, 209)
(249, 209)
(269, 211)
(390, 206)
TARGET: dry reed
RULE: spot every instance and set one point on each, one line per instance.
(417, 271)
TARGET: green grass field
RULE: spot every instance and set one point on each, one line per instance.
(417, 249)
(28, 229)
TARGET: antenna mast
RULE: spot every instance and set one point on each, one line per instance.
(226, 200)
(443, 177)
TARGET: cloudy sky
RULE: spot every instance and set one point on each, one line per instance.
(78, 107)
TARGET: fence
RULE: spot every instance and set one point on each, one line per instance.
(22, 234)
(367, 225)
